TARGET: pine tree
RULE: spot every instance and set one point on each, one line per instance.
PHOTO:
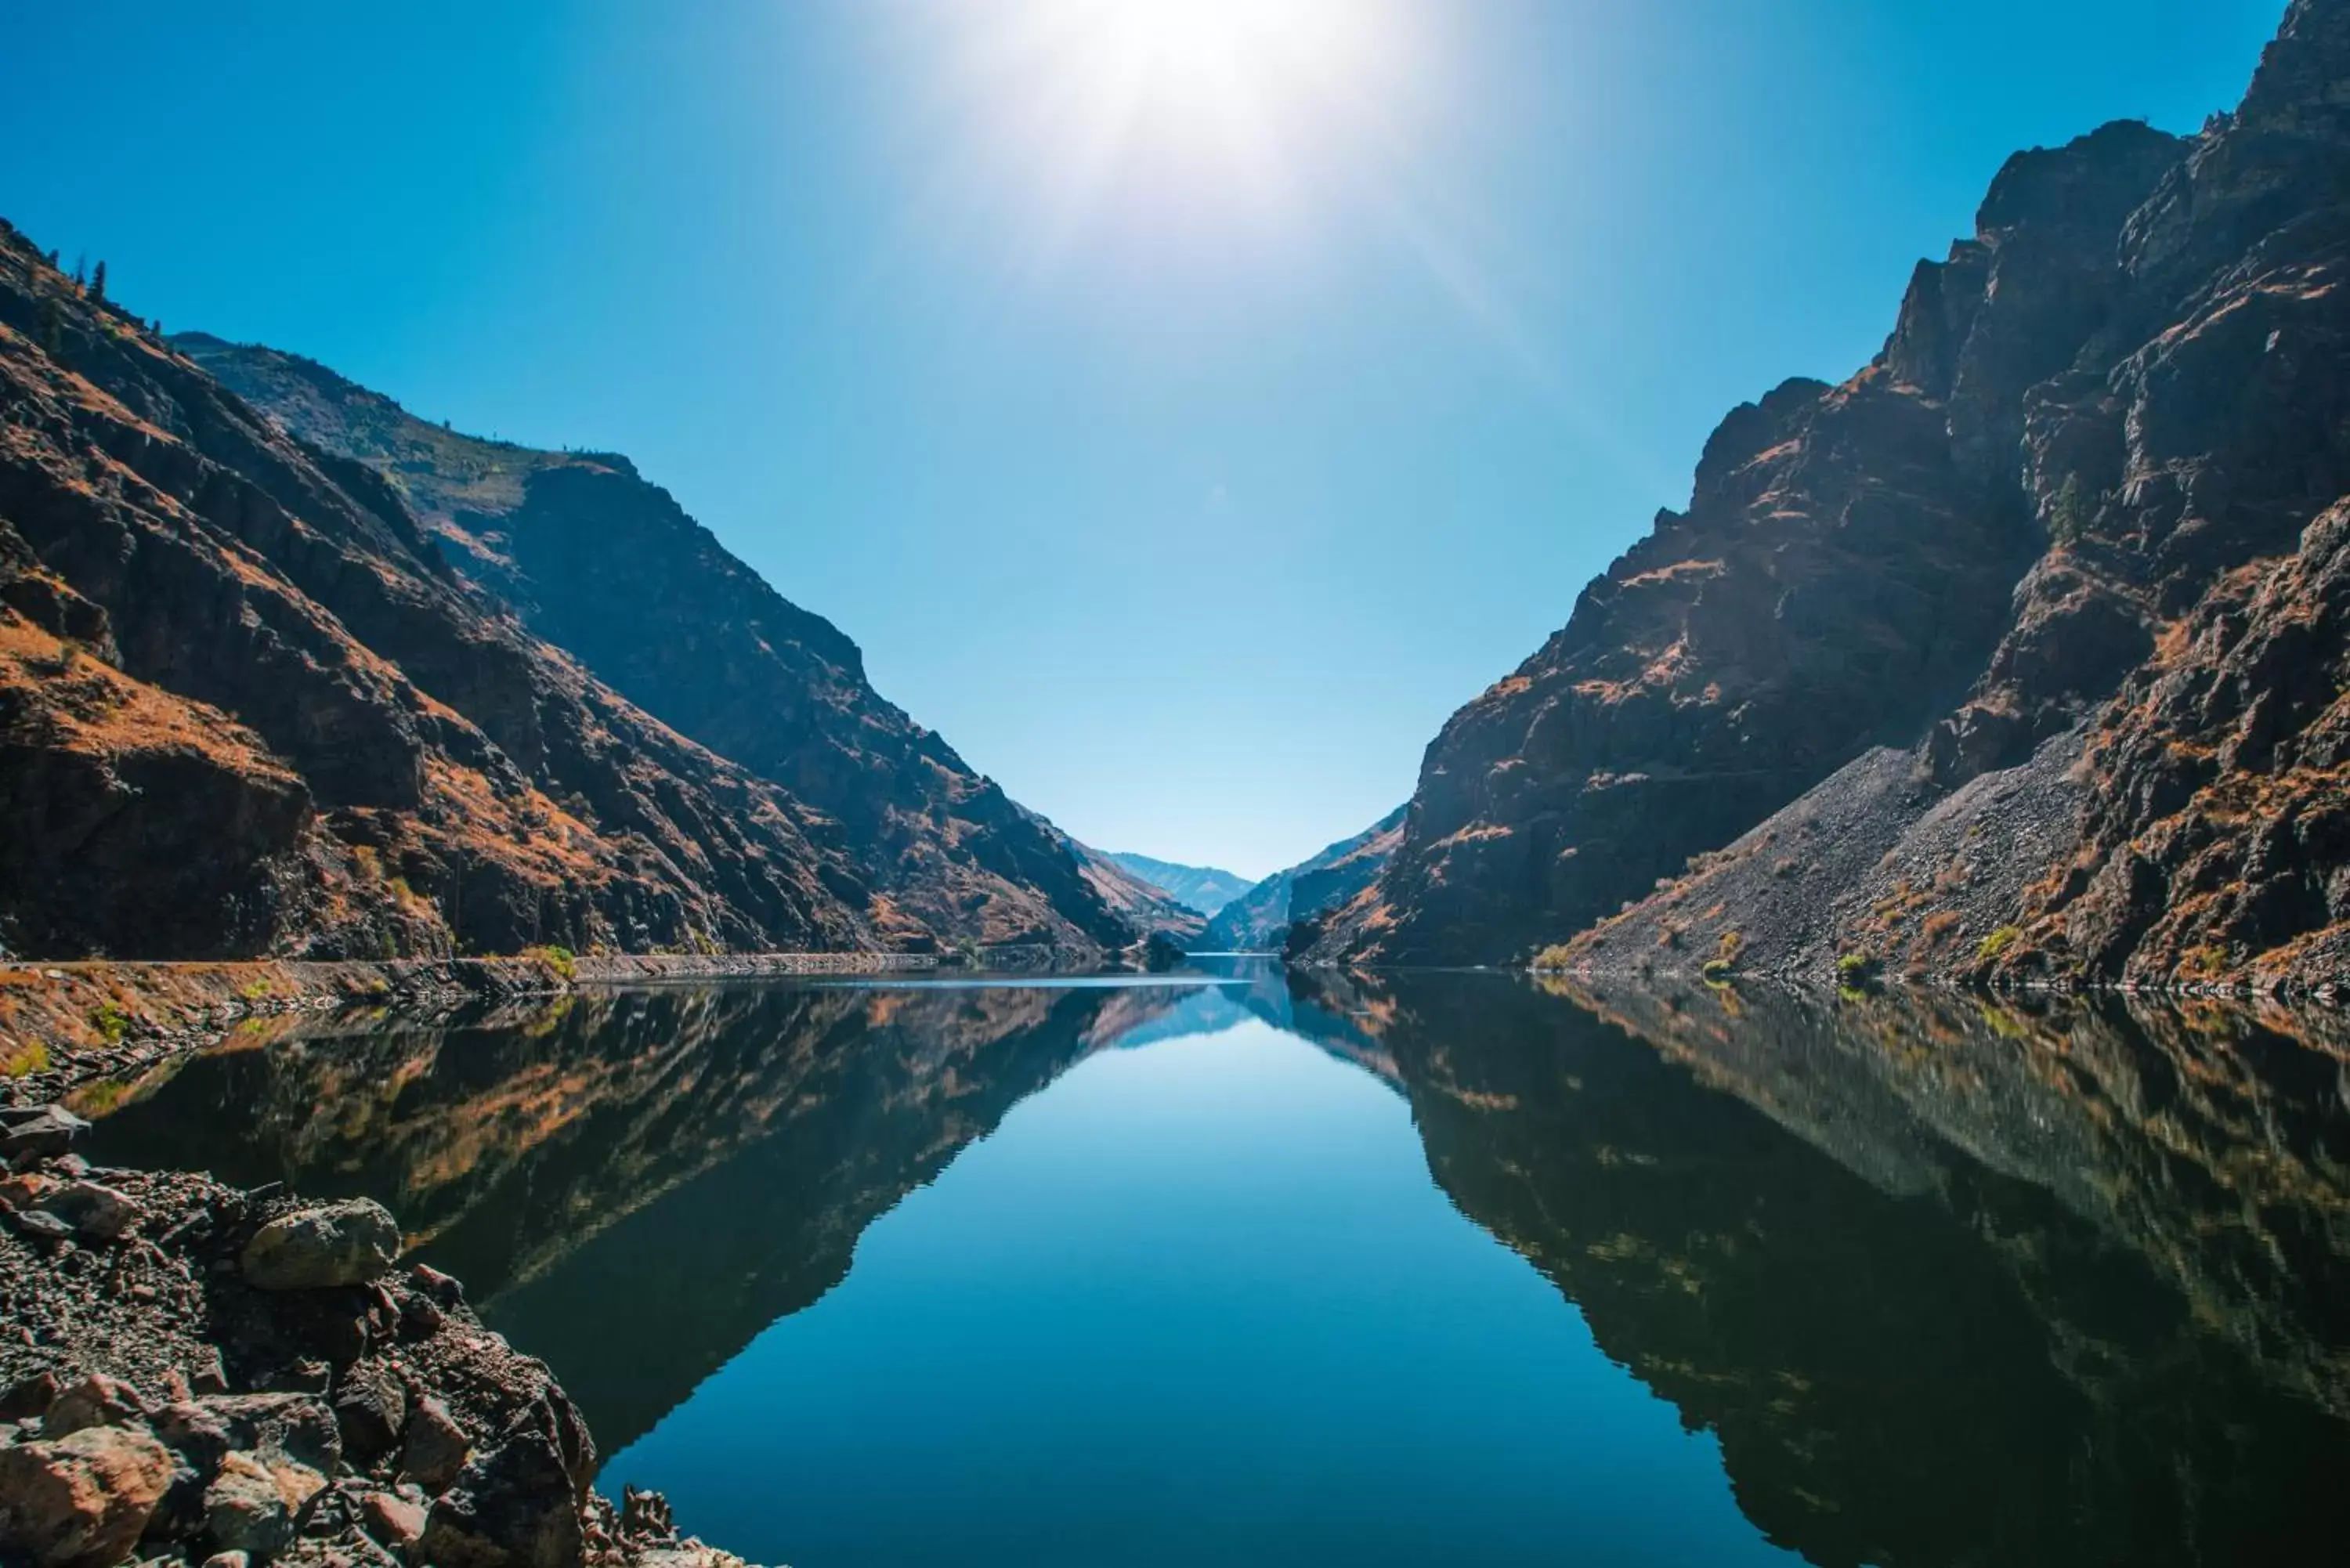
(98, 283)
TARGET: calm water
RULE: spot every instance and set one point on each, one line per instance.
(1444, 1269)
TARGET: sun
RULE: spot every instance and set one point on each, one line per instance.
(1200, 49)
(1240, 107)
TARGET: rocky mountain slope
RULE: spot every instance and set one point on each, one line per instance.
(597, 561)
(1202, 888)
(1259, 919)
(2025, 606)
(245, 708)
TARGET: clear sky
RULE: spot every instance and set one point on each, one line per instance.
(1187, 404)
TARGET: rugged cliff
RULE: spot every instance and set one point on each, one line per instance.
(600, 561)
(248, 707)
(2102, 422)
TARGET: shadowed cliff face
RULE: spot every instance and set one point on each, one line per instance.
(1949, 1287)
(607, 566)
(244, 709)
(634, 1186)
(2127, 386)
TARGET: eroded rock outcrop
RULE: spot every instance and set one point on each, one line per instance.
(607, 566)
(1916, 599)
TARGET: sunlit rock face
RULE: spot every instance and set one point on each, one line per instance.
(247, 708)
(2120, 395)
(606, 566)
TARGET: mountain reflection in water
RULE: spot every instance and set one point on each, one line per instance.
(1949, 1281)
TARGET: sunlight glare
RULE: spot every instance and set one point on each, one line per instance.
(1237, 108)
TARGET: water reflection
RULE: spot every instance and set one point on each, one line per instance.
(1954, 1283)
(1951, 1283)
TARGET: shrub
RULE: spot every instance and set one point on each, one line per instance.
(1552, 958)
(1998, 942)
(1856, 969)
(558, 959)
(110, 1021)
(1718, 969)
(26, 1060)
(2068, 519)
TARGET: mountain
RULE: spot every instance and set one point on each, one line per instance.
(1201, 887)
(247, 706)
(601, 563)
(1142, 905)
(1259, 919)
(2016, 652)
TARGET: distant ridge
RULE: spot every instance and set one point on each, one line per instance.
(1202, 888)
(1258, 920)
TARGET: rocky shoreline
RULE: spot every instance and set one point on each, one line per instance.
(65, 1027)
(193, 1373)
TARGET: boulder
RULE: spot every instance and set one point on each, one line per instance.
(256, 1499)
(371, 1410)
(29, 1397)
(323, 1247)
(82, 1500)
(434, 1448)
(512, 1507)
(97, 1212)
(41, 1132)
(392, 1519)
(297, 1427)
(97, 1400)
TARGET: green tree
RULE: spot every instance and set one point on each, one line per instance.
(2069, 518)
(98, 283)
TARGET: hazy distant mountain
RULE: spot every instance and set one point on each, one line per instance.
(1202, 888)
(1259, 919)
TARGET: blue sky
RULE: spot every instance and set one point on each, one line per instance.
(1186, 482)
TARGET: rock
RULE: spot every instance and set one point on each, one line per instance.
(82, 1500)
(29, 1397)
(38, 1134)
(26, 1190)
(433, 1447)
(319, 1248)
(372, 1409)
(512, 1507)
(392, 1519)
(297, 1426)
(253, 1502)
(229, 1560)
(97, 1212)
(646, 1516)
(305, 1375)
(445, 1289)
(40, 1225)
(97, 1400)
